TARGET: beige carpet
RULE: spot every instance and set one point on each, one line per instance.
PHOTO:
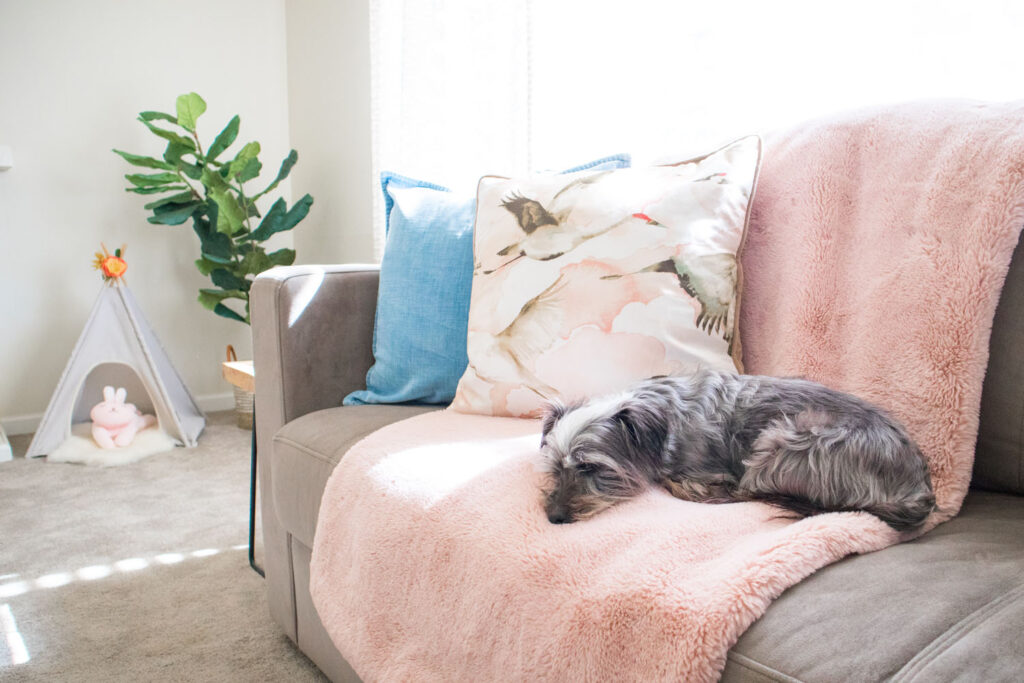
(137, 572)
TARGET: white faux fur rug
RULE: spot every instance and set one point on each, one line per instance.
(80, 448)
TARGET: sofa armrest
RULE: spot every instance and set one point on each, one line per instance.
(312, 336)
(312, 329)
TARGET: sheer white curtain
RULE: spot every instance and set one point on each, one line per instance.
(450, 93)
(463, 87)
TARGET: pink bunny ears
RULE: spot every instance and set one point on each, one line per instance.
(110, 396)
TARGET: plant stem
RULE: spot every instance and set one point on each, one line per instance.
(241, 195)
(199, 147)
(184, 179)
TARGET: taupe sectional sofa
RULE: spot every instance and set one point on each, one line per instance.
(947, 607)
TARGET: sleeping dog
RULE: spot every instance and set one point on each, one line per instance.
(716, 437)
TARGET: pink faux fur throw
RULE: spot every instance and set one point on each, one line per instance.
(874, 261)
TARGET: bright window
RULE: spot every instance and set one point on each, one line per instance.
(466, 87)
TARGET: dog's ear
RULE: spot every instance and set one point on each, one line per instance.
(645, 429)
(553, 412)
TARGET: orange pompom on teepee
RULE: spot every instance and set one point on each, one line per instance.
(112, 265)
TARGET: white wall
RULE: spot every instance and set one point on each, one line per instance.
(329, 111)
(73, 76)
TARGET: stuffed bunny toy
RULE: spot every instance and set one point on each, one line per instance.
(114, 422)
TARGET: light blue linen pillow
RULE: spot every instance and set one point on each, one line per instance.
(426, 274)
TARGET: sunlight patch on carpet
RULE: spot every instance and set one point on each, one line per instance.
(96, 571)
(102, 571)
(15, 643)
(54, 580)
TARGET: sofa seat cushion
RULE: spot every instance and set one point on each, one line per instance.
(947, 606)
(306, 451)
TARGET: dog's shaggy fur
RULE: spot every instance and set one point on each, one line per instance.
(716, 437)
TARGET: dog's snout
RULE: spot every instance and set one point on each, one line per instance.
(559, 517)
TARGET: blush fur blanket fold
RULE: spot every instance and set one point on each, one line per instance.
(874, 259)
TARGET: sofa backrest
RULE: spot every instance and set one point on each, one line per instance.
(999, 460)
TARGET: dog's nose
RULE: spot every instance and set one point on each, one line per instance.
(559, 517)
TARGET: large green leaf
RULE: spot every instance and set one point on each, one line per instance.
(277, 220)
(209, 298)
(169, 208)
(242, 159)
(191, 170)
(268, 226)
(256, 261)
(174, 152)
(213, 300)
(209, 256)
(206, 267)
(230, 214)
(214, 246)
(171, 137)
(173, 214)
(225, 279)
(152, 179)
(282, 173)
(179, 198)
(251, 170)
(214, 180)
(282, 257)
(154, 115)
(223, 139)
(156, 189)
(224, 311)
(298, 211)
(221, 294)
(145, 162)
(190, 107)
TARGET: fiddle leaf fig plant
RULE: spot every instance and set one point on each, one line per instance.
(209, 187)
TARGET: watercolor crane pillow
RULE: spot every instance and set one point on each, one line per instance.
(587, 282)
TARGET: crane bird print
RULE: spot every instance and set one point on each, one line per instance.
(548, 232)
(707, 276)
(514, 349)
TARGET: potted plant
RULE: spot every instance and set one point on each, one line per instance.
(195, 182)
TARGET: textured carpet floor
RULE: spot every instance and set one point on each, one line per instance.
(137, 572)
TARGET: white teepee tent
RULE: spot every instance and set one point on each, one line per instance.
(118, 347)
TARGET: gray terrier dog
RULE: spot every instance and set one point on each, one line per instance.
(716, 437)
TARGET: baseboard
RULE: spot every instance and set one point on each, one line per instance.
(211, 403)
(21, 424)
(27, 424)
